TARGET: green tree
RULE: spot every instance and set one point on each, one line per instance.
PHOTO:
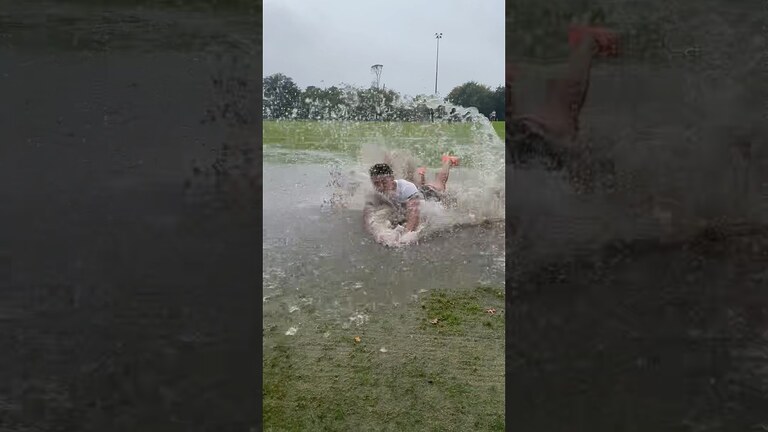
(313, 103)
(500, 102)
(376, 104)
(282, 97)
(472, 94)
(323, 104)
(335, 105)
(412, 109)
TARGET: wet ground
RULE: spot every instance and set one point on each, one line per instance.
(643, 335)
(436, 364)
(323, 255)
(641, 306)
(127, 281)
(327, 282)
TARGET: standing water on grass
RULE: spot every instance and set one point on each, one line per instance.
(474, 194)
(318, 257)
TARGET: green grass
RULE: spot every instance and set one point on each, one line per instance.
(455, 312)
(498, 126)
(432, 377)
(427, 141)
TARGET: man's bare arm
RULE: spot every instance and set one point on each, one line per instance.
(412, 213)
(367, 219)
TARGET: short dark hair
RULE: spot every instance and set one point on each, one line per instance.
(380, 169)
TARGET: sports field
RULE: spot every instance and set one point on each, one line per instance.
(427, 140)
(435, 365)
(351, 343)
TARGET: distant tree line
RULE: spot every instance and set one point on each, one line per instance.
(283, 99)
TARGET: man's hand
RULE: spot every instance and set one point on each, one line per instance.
(368, 210)
(412, 211)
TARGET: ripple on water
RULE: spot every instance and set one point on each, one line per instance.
(357, 319)
(316, 248)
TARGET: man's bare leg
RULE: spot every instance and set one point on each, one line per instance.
(566, 96)
(420, 179)
(441, 177)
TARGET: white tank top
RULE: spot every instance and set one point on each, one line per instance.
(405, 190)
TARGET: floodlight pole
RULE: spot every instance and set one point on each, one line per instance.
(438, 36)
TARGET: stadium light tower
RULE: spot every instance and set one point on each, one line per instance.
(438, 36)
(376, 70)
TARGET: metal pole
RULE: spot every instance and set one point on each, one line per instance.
(438, 36)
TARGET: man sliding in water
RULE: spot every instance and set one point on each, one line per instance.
(406, 197)
(549, 135)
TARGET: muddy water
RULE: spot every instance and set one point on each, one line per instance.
(642, 307)
(319, 255)
(118, 129)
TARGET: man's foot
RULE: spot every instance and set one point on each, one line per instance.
(421, 173)
(606, 41)
(454, 160)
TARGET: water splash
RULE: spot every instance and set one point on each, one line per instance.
(475, 190)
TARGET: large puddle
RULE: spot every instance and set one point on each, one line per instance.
(115, 224)
(641, 306)
(320, 254)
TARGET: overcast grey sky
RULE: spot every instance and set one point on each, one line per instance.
(328, 42)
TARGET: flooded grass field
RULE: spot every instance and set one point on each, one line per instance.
(327, 282)
(640, 305)
(127, 283)
(435, 364)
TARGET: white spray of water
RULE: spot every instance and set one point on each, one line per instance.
(475, 189)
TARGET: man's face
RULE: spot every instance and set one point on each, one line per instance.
(383, 183)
